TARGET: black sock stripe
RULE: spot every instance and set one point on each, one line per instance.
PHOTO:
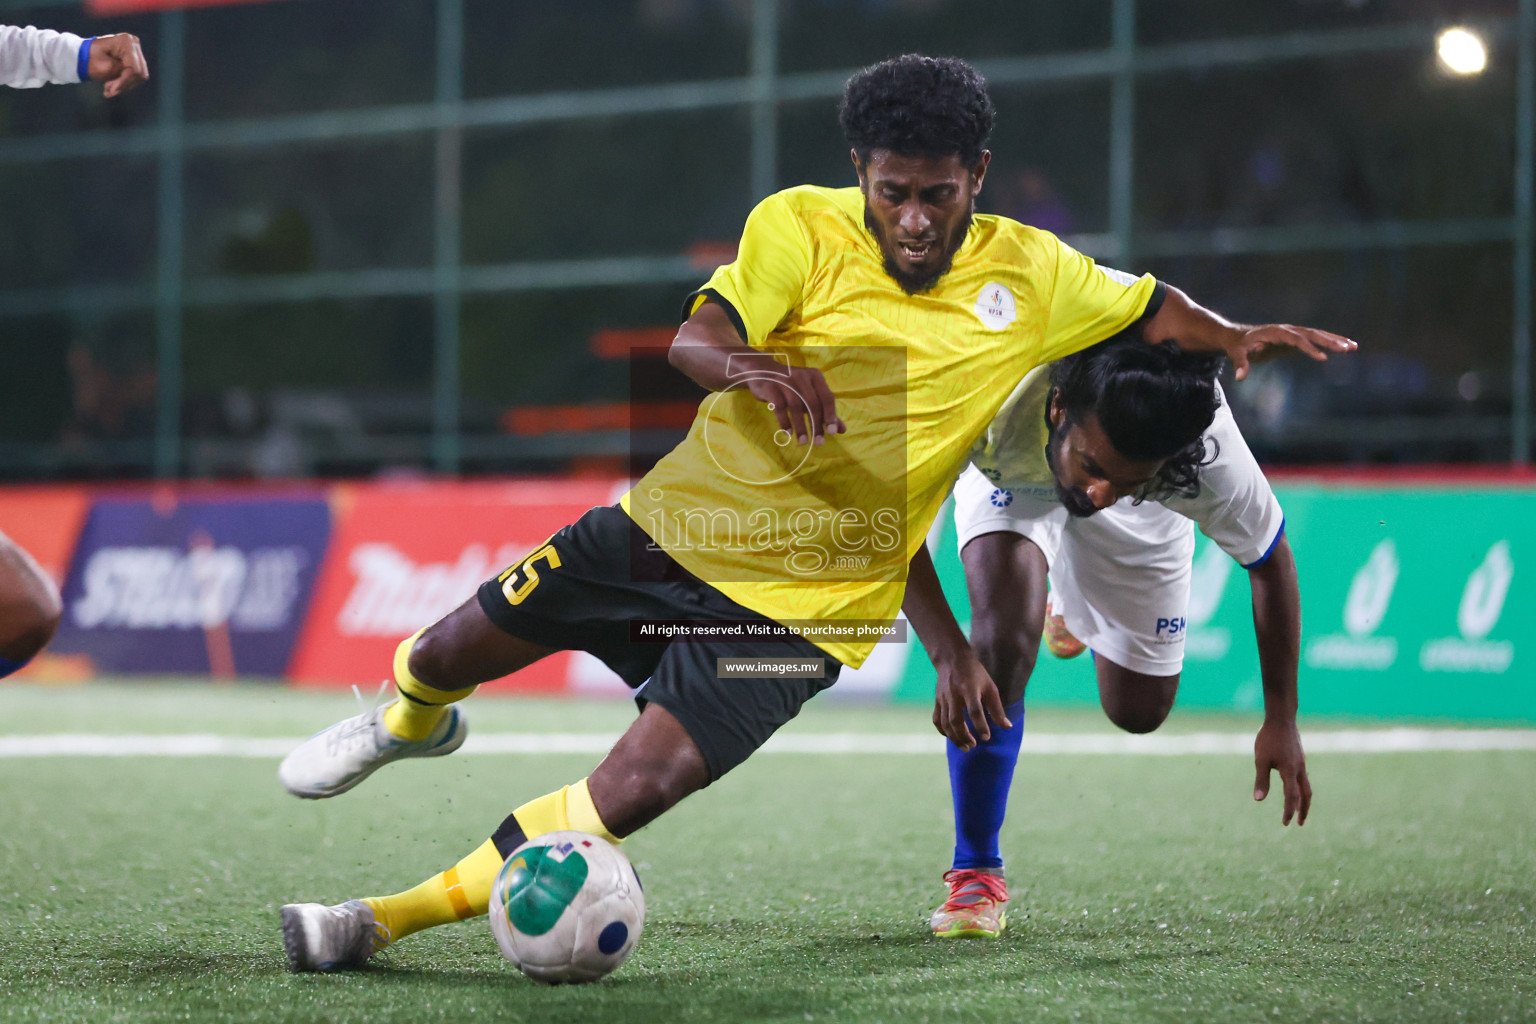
(509, 836)
(418, 700)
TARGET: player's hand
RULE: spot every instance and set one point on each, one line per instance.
(1278, 748)
(964, 689)
(119, 61)
(1256, 344)
(801, 401)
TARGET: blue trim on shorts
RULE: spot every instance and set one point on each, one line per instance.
(7, 666)
(1269, 550)
(83, 60)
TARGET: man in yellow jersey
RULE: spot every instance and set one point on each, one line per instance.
(857, 347)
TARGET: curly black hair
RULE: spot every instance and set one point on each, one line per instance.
(1153, 402)
(918, 106)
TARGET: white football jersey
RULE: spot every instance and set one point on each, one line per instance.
(31, 57)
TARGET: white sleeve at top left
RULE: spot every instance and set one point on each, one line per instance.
(1235, 507)
(32, 57)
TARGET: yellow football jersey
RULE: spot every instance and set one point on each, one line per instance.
(823, 534)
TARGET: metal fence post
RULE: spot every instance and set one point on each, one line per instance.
(170, 70)
(1122, 131)
(765, 112)
(446, 236)
(1525, 186)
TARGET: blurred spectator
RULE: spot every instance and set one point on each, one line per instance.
(114, 397)
(1031, 198)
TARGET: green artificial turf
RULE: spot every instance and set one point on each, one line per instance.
(1146, 888)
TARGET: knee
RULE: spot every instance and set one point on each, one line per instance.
(1008, 655)
(431, 660)
(1142, 713)
(1138, 720)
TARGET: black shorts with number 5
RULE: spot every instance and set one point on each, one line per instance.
(582, 589)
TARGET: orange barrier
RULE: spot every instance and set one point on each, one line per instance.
(46, 522)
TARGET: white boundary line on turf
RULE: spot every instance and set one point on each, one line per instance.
(1345, 741)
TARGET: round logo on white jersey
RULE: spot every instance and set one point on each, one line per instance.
(995, 307)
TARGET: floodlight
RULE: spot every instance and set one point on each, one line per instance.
(1461, 51)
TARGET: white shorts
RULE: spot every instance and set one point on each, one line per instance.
(1119, 578)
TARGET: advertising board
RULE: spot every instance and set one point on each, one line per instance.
(206, 585)
(404, 555)
(1415, 600)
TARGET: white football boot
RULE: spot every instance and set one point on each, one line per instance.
(322, 938)
(336, 759)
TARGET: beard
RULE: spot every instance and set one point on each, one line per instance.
(914, 282)
(1073, 500)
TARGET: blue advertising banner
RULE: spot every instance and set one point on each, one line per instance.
(206, 586)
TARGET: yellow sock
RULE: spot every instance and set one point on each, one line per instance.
(569, 807)
(420, 707)
(464, 890)
(461, 892)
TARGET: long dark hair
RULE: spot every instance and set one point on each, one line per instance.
(1154, 402)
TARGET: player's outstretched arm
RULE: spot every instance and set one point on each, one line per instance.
(1191, 326)
(31, 57)
(710, 351)
(964, 685)
(1277, 626)
(118, 60)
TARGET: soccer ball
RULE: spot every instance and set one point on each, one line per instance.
(567, 906)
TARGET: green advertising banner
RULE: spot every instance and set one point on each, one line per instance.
(1414, 604)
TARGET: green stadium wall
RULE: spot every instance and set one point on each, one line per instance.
(1417, 602)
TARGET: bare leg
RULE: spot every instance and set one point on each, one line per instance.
(1005, 575)
(465, 648)
(1006, 578)
(652, 767)
(1134, 701)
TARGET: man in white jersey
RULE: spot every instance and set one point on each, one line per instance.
(1094, 474)
(32, 57)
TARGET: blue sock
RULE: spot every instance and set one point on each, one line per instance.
(978, 783)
